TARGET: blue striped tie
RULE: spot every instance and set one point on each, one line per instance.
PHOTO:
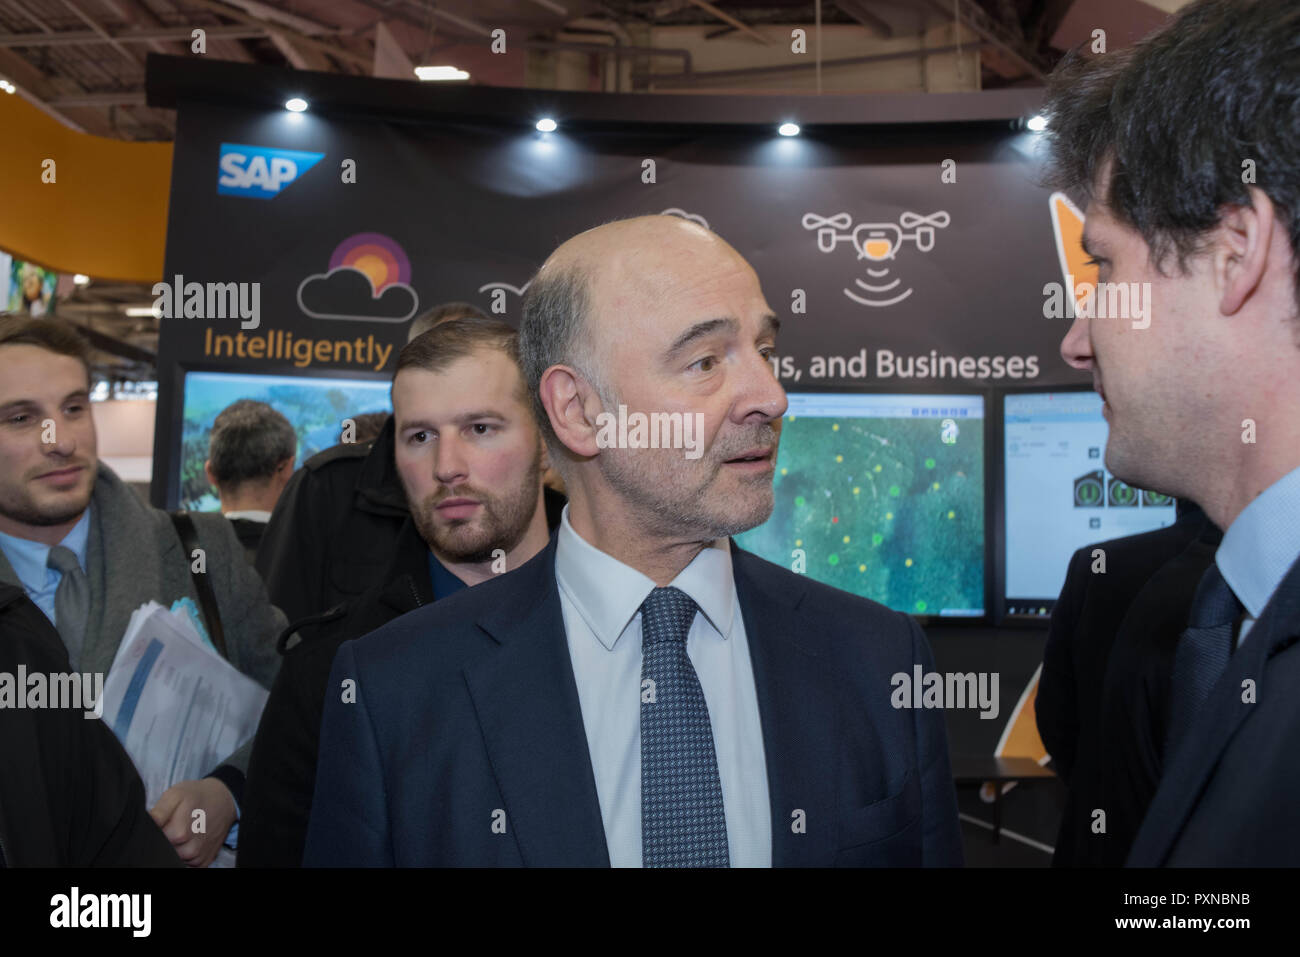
(682, 819)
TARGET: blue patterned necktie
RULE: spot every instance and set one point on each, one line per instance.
(682, 819)
(1203, 651)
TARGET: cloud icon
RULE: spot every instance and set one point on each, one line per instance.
(347, 293)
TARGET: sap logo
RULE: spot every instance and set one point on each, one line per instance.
(259, 171)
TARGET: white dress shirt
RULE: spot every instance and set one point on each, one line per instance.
(601, 600)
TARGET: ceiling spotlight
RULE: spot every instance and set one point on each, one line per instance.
(1037, 123)
(295, 105)
(440, 73)
(546, 125)
(139, 312)
(81, 279)
(788, 129)
(7, 86)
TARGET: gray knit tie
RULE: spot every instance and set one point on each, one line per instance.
(71, 600)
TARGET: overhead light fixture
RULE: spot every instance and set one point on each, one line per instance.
(1037, 123)
(139, 312)
(80, 279)
(7, 86)
(295, 104)
(547, 125)
(788, 129)
(440, 73)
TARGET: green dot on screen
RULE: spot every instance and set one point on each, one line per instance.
(833, 559)
(798, 500)
(894, 490)
(920, 606)
(929, 463)
(877, 538)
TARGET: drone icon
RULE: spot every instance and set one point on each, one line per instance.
(877, 243)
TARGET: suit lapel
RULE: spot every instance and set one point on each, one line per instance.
(797, 715)
(526, 700)
(125, 556)
(1189, 768)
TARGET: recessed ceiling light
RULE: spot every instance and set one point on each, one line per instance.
(441, 73)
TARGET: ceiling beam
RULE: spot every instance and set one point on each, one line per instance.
(992, 32)
(728, 18)
(707, 77)
(857, 10)
(140, 35)
(36, 89)
(110, 98)
(103, 34)
(300, 40)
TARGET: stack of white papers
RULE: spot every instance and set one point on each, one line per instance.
(178, 708)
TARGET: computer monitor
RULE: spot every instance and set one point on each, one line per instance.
(315, 405)
(882, 496)
(1058, 496)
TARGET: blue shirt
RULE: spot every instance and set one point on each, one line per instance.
(1261, 545)
(601, 601)
(28, 559)
(444, 582)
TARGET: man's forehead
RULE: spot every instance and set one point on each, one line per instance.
(484, 379)
(686, 286)
(28, 372)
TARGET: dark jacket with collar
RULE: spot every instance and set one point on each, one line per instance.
(1077, 666)
(69, 794)
(331, 534)
(1229, 793)
(1136, 694)
(282, 772)
(445, 734)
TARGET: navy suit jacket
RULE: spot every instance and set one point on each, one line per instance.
(465, 742)
(1229, 794)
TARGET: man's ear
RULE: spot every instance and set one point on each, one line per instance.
(567, 398)
(1241, 255)
(212, 479)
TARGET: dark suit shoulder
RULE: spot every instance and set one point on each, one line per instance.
(829, 616)
(338, 456)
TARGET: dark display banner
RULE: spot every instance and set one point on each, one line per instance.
(902, 259)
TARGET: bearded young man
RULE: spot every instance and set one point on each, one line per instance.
(470, 460)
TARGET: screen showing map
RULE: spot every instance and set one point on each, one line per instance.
(882, 496)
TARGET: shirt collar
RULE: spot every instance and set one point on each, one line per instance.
(1262, 544)
(30, 559)
(608, 594)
